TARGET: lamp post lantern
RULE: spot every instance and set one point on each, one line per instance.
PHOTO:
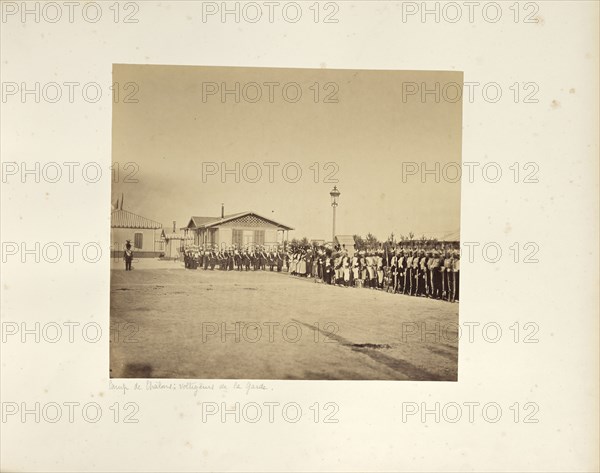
(335, 193)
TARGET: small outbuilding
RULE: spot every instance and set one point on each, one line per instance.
(142, 232)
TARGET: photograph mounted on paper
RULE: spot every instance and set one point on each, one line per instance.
(271, 223)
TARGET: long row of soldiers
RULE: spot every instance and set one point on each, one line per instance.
(230, 260)
(431, 272)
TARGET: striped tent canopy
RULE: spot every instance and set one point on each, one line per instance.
(124, 219)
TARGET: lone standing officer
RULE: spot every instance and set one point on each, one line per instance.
(128, 255)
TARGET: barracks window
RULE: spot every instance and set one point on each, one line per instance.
(138, 240)
(238, 237)
(259, 237)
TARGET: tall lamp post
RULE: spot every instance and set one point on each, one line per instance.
(335, 193)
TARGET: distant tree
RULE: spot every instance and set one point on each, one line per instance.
(294, 245)
(371, 241)
(359, 243)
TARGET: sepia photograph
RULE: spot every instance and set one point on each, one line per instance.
(271, 223)
(232, 235)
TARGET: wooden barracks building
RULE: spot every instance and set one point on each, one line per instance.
(241, 230)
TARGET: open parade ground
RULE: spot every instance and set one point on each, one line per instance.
(169, 322)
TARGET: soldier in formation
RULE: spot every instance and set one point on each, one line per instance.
(420, 272)
(432, 272)
(232, 259)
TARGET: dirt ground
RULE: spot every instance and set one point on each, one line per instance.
(169, 322)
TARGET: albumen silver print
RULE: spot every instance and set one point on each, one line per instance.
(285, 224)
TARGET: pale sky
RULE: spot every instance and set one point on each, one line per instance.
(368, 134)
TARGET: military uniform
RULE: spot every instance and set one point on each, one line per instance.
(456, 276)
(337, 265)
(402, 271)
(378, 261)
(408, 274)
(128, 256)
(447, 277)
(327, 270)
(309, 264)
(238, 260)
(435, 276)
(262, 260)
(271, 260)
(415, 274)
(346, 269)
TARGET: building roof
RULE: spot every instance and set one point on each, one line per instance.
(124, 219)
(441, 236)
(207, 222)
(347, 240)
(175, 236)
(197, 222)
